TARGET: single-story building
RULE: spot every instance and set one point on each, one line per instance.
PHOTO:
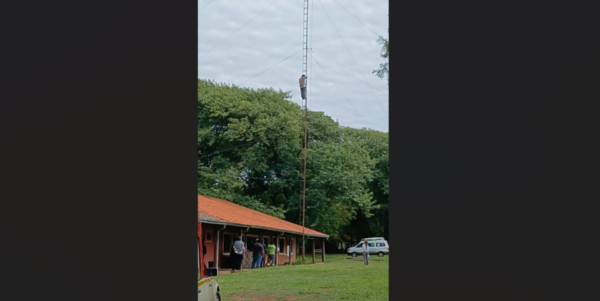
(223, 221)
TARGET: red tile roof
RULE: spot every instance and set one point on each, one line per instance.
(212, 209)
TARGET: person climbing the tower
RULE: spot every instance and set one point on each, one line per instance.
(303, 86)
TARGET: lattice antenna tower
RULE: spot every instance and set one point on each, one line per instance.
(304, 106)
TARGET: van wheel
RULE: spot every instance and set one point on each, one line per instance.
(380, 254)
(354, 254)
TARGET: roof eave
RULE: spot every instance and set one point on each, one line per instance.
(259, 227)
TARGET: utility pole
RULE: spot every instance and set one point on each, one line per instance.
(304, 71)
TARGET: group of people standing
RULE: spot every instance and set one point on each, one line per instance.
(259, 250)
(262, 255)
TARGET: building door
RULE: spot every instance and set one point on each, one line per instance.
(226, 251)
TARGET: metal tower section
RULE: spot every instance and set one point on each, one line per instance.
(305, 38)
(305, 104)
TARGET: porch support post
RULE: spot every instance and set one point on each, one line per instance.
(291, 249)
(277, 253)
(323, 251)
(217, 251)
(313, 250)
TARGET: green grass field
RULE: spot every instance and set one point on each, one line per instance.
(339, 278)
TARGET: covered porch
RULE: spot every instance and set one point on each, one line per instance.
(223, 222)
(219, 237)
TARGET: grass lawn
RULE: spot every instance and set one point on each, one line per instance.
(339, 278)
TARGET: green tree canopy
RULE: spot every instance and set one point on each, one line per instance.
(249, 152)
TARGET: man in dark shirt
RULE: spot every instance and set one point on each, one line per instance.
(264, 258)
(258, 252)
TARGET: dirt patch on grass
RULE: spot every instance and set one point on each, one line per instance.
(290, 297)
(255, 298)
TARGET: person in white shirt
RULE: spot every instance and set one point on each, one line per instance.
(365, 249)
(239, 252)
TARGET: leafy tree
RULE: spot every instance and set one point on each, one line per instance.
(383, 70)
(243, 145)
(374, 223)
(249, 152)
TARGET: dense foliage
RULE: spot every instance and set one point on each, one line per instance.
(384, 68)
(249, 152)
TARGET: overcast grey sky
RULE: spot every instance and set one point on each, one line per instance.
(345, 52)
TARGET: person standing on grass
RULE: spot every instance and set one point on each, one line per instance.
(239, 251)
(365, 249)
(271, 253)
(258, 251)
(255, 242)
(264, 259)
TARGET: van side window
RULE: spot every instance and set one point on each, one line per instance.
(380, 244)
(371, 245)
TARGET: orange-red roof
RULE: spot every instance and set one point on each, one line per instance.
(212, 209)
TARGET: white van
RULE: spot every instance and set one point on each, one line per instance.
(377, 245)
(369, 239)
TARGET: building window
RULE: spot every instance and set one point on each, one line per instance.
(250, 240)
(266, 240)
(208, 236)
(227, 243)
(282, 244)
